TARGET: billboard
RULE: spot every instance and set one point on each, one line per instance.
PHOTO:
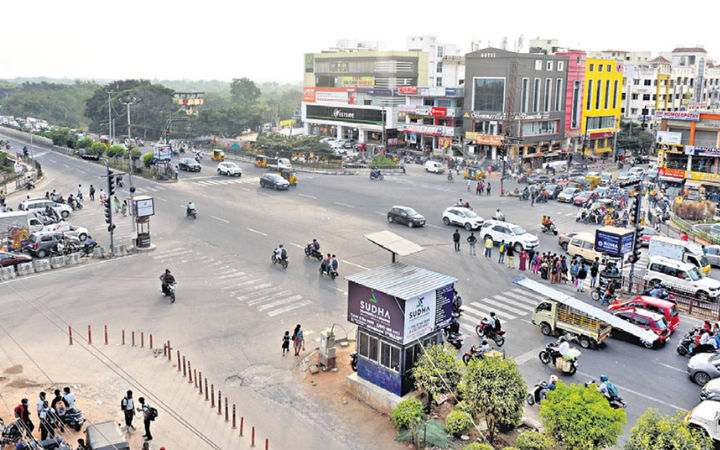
(344, 114)
(613, 241)
(668, 137)
(357, 81)
(331, 96)
(677, 115)
(162, 152)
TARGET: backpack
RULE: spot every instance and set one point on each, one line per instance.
(611, 389)
(501, 249)
(123, 404)
(152, 415)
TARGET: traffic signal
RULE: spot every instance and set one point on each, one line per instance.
(108, 211)
(635, 256)
(167, 137)
(111, 183)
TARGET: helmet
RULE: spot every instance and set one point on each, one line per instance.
(167, 270)
(484, 342)
(314, 240)
(281, 246)
(553, 378)
(498, 210)
(603, 378)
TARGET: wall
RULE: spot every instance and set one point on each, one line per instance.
(575, 72)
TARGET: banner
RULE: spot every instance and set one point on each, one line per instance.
(613, 243)
(668, 137)
(344, 114)
(438, 111)
(407, 90)
(702, 151)
(444, 142)
(357, 81)
(678, 115)
(484, 139)
(309, 95)
(331, 96)
(671, 173)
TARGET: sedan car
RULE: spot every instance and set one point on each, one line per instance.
(538, 179)
(624, 177)
(553, 190)
(711, 391)
(13, 259)
(568, 195)
(230, 169)
(406, 216)
(644, 319)
(713, 255)
(462, 216)
(704, 367)
(584, 198)
(189, 165)
(275, 181)
(564, 239)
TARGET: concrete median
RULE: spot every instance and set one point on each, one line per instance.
(25, 269)
(41, 265)
(57, 262)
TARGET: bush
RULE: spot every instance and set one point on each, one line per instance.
(115, 151)
(407, 413)
(458, 423)
(97, 149)
(147, 159)
(136, 153)
(477, 446)
(532, 440)
(383, 161)
(85, 142)
(468, 408)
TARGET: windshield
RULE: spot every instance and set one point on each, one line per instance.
(569, 191)
(623, 174)
(518, 230)
(411, 212)
(660, 324)
(674, 311)
(470, 214)
(694, 274)
(231, 165)
(704, 261)
(585, 194)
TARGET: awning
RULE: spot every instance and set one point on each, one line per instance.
(646, 336)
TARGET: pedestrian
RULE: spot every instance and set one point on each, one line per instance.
(574, 269)
(523, 260)
(582, 274)
(468, 184)
(116, 204)
(146, 418)
(478, 189)
(530, 255)
(22, 413)
(472, 240)
(532, 197)
(124, 208)
(102, 196)
(286, 343)
(510, 253)
(501, 251)
(92, 193)
(2, 197)
(80, 193)
(82, 446)
(46, 426)
(594, 271)
(488, 247)
(488, 189)
(299, 340)
(127, 405)
(177, 172)
(69, 398)
(58, 408)
(456, 240)
(489, 171)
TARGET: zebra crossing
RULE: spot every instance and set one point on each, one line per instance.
(420, 184)
(150, 189)
(249, 290)
(511, 305)
(241, 180)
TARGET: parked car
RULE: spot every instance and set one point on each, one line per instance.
(512, 234)
(462, 216)
(564, 239)
(39, 205)
(77, 232)
(646, 320)
(275, 181)
(713, 255)
(624, 177)
(406, 216)
(568, 195)
(665, 308)
(711, 390)
(704, 367)
(230, 169)
(537, 179)
(189, 165)
(8, 259)
(584, 198)
(681, 277)
(637, 172)
(43, 244)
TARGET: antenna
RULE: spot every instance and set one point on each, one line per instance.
(504, 43)
(519, 47)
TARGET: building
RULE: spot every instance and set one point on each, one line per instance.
(518, 95)
(354, 94)
(436, 52)
(574, 92)
(601, 114)
(544, 46)
(625, 57)
(432, 117)
(646, 88)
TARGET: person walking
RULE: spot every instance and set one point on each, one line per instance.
(594, 272)
(2, 197)
(488, 247)
(23, 414)
(102, 196)
(127, 404)
(177, 172)
(116, 204)
(46, 426)
(286, 343)
(510, 253)
(80, 193)
(298, 340)
(478, 189)
(582, 274)
(92, 193)
(456, 240)
(501, 251)
(146, 418)
(469, 184)
(487, 188)
(472, 240)
(574, 269)
(523, 260)
(532, 197)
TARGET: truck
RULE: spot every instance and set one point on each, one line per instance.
(555, 318)
(706, 418)
(15, 229)
(278, 163)
(678, 250)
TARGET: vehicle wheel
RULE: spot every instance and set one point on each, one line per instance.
(649, 344)
(382, 177)
(585, 342)
(682, 351)
(468, 227)
(573, 369)
(262, 185)
(564, 246)
(64, 214)
(77, 428)
(82, 236)
(530, 399)
(390, 219)
(701, 378)
(172, 298)
(42, 254)
(544, 357)
(411, 224)
(275, 186)
(518, 247)
(446, 221)
(702, 296)
(285, 264)
(354, 366)
(546, 329)
(500, 341)
(555, 232)
(595, 295)
(479, 331)
(466, 359)
(307, 251)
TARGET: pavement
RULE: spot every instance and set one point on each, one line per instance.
(233, 305)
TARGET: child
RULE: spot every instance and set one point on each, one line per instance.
(286, 342)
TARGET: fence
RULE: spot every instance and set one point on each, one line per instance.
(26, 137)
(328, 167)
(686, 304)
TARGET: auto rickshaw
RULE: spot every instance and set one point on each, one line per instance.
(593, 182)
(473, 173)
(217, 155)
(261, 161)
(290, 175)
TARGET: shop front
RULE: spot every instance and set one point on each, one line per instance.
(362, 123)
(428, 137)
(484, 145)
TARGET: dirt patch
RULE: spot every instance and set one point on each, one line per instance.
(14, 370)
(22, 383)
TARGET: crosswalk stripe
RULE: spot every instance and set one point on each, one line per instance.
(158, 256)
(504, 306)
(256, 288)
(264, 291)
(233, 275)
(522, 298)
(502, 314)
(519, 306)
(275, 312)
(467, 327)
(474, 312)
(151, 189)
(528, 295)
(279, 302)
(175, 250)
(264, 298)
(244, 288)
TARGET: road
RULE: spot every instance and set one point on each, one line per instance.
(233, 305)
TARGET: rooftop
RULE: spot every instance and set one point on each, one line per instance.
(689, 50)
(659, 59)
(402, 280)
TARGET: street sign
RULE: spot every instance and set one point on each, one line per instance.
(18, 167)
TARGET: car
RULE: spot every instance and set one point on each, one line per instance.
(637, 172)
(644, 319)
(584, 198)
(646, 234)
(406, 216)
(434, 167)
(564, 239)
(568, 195)
(39, 205)
(349, 144)
(189, 165)
(576, 173)
(665, 308)
(42, 244)
(704, 367)
(553, 190)
(512, 234)
(682, 278)
(77, 232)
(537, 179)
(328, 140)
(624, 177)
(711, 390)
(713, 255)
(601, 191)
(464, 217)
(275, 181)
(230, 169)
(606, 179)
(592, 174)
(583, 245)
(8, 259)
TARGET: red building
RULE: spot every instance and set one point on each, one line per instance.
(574, 98)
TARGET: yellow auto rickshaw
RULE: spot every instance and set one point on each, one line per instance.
(473, 173)
(593, 182)
(290, 175)
(261, 161)
(217, 155)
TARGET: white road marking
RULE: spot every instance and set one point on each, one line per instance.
(256, 288)
(161, 199)
(279, 302)
(239, 285)
(308, 196)
(66, 166)
(232, 275)
(298, 246)
(256, 231)
(164, 256)
(380, 213)
(519, 306)
(245, 189)
(671, 367)
(265, 294)
(529, 355)
(353, 264)
(625, 389)
(433, 226)
(502, 314)
(52, 161)
(344, 292)
(503, 306)
(344, 204)
(221, 220)
(275, 312)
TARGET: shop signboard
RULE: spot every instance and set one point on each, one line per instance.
(702, 151)
(422, 110)
(405, 90)
(162, 152)
(436, 92)
(613, 241)
(322, 96)
(377, 312)
(344, 114)
(702, 176)
(678, 115)
(484, 139)
(671, 173)
(450, 91)
(309, 95)
(669, 137)
(435, 130)
(406, 108)
(602, 135)
(358, 81)
(438, 111)
(419, 317)
(381, 92)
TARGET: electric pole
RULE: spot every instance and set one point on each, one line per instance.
(110, 120)
(129, 102)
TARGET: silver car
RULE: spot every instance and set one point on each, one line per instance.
(713, 255)
(704, 367)
(711, 391)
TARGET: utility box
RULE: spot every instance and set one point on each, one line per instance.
(327, 349)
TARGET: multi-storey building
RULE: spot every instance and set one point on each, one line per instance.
(436, 52)
(431, 118)
(646, 88)
(574, 98)
(625, 57)
(601, 115)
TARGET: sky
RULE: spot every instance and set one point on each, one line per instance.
(266, 40)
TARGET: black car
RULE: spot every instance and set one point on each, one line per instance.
(13, 259)
(537, 179)
(275, 181)
(553, 190)
(189, 165)
(406, 216)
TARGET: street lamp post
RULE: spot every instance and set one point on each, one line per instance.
(129, 102)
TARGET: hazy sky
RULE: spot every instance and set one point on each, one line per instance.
(266, 40)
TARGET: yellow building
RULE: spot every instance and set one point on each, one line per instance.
(601, 112)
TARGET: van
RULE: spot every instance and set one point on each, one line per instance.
(676, 249)
(682, 278)
(665, 308)
(434, 167)
(583, 245)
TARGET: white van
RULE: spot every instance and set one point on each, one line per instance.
(434, 167)
(682, 278)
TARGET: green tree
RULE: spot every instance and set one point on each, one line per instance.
(407, 414)
(478, 446)
(62, 137)
(243, 91)
(97, 149)
(654, 431)
(437, 371)
(580, 418)
(85, 142)
(115, 151)
(496, 388)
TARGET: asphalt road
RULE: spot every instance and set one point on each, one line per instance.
(233, 305)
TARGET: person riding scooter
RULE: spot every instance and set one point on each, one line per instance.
(166, 279)
(190, 209)
(280, 253)
(499, 215)
(552, 384)
(547, 223)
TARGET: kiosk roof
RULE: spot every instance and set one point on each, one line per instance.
(402, 280)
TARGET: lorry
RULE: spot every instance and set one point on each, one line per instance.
(15, 229)
(706, 418)
(678, 250)
(555, 318)
(272, 162)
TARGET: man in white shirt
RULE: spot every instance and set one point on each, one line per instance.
(128, 408)
(40, 402)
(69, 398)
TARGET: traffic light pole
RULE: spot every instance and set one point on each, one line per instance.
(107, 204)
(636, 224)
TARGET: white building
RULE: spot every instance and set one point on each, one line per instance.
(436, 51)
(353, 45)
(646, 88)
(625, 57)
(544, 46)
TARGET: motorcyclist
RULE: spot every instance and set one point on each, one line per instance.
(190, 208)
(119, 180)
(526, 193)
(376, 172)
(607, 388)
(492, 322)
(334, 263)
(485, 347)
(563, 347)
(25, 151)
(280, 253)
(454, 326)
(658, 291)
(166, 278)
(548, 223)
(499, 215)
(552, 384)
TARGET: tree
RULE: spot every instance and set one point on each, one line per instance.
(115, 151)
(580, 418)
(494, 387)
(62, 137)
(85, 142)
(97, 149)
(437, 371)
(243, 91)
(659, 432)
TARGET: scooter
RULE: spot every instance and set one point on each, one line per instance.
(29, 185)
(169, 292)
(616, 402)
(535, 393)
(485, 330)
(11, 434)
(191, 212)
(551, 355)
(379, 176)
(549, 229)
(312, 253)
(474, 353)
(74, 418)
(453, 336)
(283, 261)
(354, 361)
(328, 270)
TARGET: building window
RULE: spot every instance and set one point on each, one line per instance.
(524, 95)
(607, 94)
(647, 82)
(561, 65)
(592, 67)
(548, 95)
(622, 111)
(549, 66)
(654, 97)
(558, 94)
(646, 97)
(609, 68)
(541, 127)
(489, 94)
(634, 111)
(636, 96)
(538, 64)
(487, 127)
(598, 123)
(615, 94)
(600, 67)
(636, 82)
(438, 82)
(439, 67)
(576, 105)
(536, 95)
(624, 96)
(598, 94)
(440, 52)
(654, 82)
(588, 105)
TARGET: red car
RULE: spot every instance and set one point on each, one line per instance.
(584, 198)
(665, 308)
(645, 236)
(643, 319)
(13, 259)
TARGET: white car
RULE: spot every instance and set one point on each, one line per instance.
(637, 172)
(77, 232)
(39, 205)
(682, 278)
(568, 195)
(434, 167)
(513, 235)
(464, 217)
(230, 169)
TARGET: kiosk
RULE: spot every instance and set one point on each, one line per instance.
(143, 208)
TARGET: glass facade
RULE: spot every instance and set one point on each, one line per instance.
(489, 94)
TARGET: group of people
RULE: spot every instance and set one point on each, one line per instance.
(705, 338)
(297, 339)
(50, 413)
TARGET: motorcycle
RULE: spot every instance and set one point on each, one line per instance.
(552, 355)
(663, 294)
(535, 393)
(525, 195)
(475, 352)
(485, 330)
(541, 199)
(378, 176)
(29, 185)
(499, 216)
(354, 361)
(169, 292)
(616, 402)
(551, 228)
(76, 205)
(582, 216)
(453, 335)
(191, 212)
(74, 418)
(683, 347)
(11, 434)
(312, 253)
(328, 270)
(457, 307)
(283, 261)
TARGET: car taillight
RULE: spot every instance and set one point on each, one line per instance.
(36, 246)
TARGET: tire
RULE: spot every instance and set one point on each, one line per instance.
(545, 357)
(499, 341)
(273, 259)
(682, 351)
(530, 399)
(518, 247)
(701, 378)
(555, 232)
(172, 298)
(466, 359)
(411, 224)
(564, 246)
(468, 227)
(546, 329)
(446, 221)
(41, 254)
(702, 296)
(649, 344)
(64, 214)
(390, 219)
(595, 295)
(573, 369)
(78, 428)
(307, 252)
(382, 177)
(354, 366)
(275, 187)
(479, 331)
(82, 237)
(284, 263)
(585, 342)
(333, 275)
(262, 185)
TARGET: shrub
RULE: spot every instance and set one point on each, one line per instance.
(115, 151)
(532, 440)
(458, 423)
(477, 446)
(407, 413)
(468, 408)
(85, 142)
(383, 161)
(136, 153)
(97, 149)
(147, 159)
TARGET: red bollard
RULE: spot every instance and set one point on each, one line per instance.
(133, 339)
(169, 355)
(242, 423)
(267, 444)
(179, 368)
(206, 390)
(70, 333)
(189, 373)
(196, 383)
(123, 337)
(106, 336)
(252, 441)
(184, 368)
(227, 416)
(234, 417)
(200, 382)
(142, 340)
(219, 402)
(151, 341)
(89, 335)
(212, 395)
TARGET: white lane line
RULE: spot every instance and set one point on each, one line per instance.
(265, 294)
(226, 271)
(161, 199)
(344, 204)
(232, 275)
(522, 298)
(171, 255)
(344, 292)
(175, 250)
(308, 196)
(433, 226)
(255, 288)
(503, 306)
(245, 189)
(221, 220)
(502, 314)
(517, 305)
(474, 312)
(625, 389)
(353, 264)
(52, 161)
(275, 312)
(380, 213)
(66, 166)
(256, 231)
(239, 285)
(671, 367)
(279, 302)
(298, 246)
(81, 171)
(467, 327)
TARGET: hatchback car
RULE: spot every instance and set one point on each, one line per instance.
(230, 169)
(713, 255)
(568, 195)
(553, 190)
(564, 239)
(584, 198)
(711, 390)
(189, 165)
(462, 216)
(275, 181)
(8, 259)
(665, 308)
(644, 319)
(406, 216)
(73, 231)
(42, 244)
(704, 367)
(537, 179)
